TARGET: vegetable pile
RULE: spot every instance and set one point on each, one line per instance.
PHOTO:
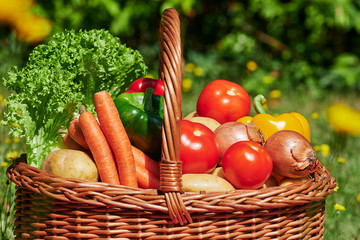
(104, 140)
(86, 112)
(215, 156)
(252, 152)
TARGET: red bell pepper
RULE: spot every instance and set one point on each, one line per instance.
(141, 84)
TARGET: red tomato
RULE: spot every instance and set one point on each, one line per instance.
(247, 165)
(223, 101)
(199, 150)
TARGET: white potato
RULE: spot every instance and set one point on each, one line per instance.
(70, 163)
(192, 182)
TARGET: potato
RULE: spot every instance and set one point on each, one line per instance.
(190, 115)
(287, 181)
(271, 182)
(192, 182)
(70, 163)
(209, 122)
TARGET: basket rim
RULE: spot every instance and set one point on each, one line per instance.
(104, 194)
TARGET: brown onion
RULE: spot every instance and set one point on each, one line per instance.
(231, 132)
(292, 154)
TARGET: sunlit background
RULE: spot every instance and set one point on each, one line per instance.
(303, 56)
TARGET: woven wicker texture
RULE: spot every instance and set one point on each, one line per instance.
(51, 207)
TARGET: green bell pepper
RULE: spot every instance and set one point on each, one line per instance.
(142, 116)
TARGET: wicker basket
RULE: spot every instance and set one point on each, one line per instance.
(51, 207)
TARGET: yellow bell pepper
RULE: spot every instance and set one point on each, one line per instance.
(269, 124)
(344, 119)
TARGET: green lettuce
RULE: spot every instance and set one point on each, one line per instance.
(58, 77)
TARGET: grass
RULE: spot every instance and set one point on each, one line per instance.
(8, 148)
(343, 161)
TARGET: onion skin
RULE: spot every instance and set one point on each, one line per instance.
(231, 132)
(292, 154)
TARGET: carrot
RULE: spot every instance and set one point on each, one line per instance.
(68, 141)
(114, 131)
(71, 144)
(99, 147)
(76, 133)
(146, 179)
(144, 161)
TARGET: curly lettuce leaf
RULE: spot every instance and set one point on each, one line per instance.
(61, 75)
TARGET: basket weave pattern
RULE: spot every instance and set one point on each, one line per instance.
(51, 207)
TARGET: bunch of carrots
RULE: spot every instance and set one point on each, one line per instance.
(106, 140)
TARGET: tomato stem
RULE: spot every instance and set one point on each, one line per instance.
(259, 102)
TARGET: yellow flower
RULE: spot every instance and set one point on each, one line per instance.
(7, 140)
(28, 27)
(15, 125)
(186, 85)
(340, 160)
(4, 102)
(189, 67)
(11, 11)
(12, 155)
(317, 148)
(315, 115)
(16, 140)
(336, 188)
(339, 207)
(198, 71)
(4, 164)
(268, 79)
(344, 119)
(358, 197)
(325, 149)
(32, 28)
(275, 94)
(251, 66)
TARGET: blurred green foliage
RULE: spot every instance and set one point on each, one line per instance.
(308, 43)
(311, 44)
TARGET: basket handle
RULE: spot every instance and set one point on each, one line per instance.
(170, 71)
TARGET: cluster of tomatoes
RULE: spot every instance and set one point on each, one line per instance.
(245, 164)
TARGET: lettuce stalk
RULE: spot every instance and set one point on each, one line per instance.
(58, 77)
